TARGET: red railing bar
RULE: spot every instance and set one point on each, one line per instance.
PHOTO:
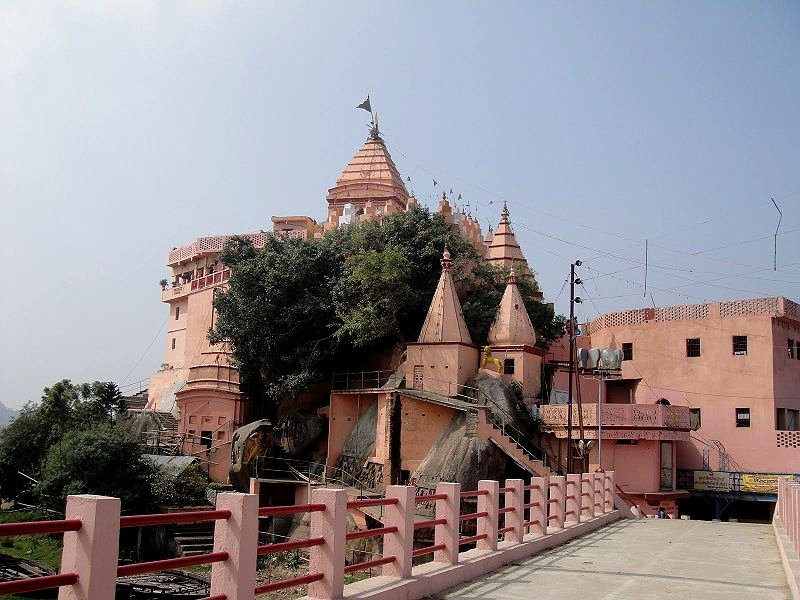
(430, 497)
(505, 490)
(475, 493)
(285, 546)
(569, 512)
(269, 511)
(473, 538)
(427, 550)
(553, 500)
(217, 597)
(551, 517)
(552, 484)
(504, 530)
(429, 523)
(357, 535)
(598, 504)
(372, 502)
(507, 509)
(194, 516)
(533, 486)
(569, 497)
(470, 516)
(171, 563)
(529, 523)
(531, 504)
(585, 494)
(29, 527)
(570, 482)
(369, 564)
(287, 583)
(35, 584)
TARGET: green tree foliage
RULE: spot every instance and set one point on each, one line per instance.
(101, 459)
(300, 308)
(187, 489)
(43, 426)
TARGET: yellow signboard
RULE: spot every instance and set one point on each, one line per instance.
(711, 481)
(764, 483)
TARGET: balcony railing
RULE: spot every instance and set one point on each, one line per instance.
(641, 416)
(196, 284)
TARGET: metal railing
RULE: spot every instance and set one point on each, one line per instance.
(316, 474)
(361, 380)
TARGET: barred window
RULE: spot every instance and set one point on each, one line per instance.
(693, 347)
(740, 345)
(743, 417)
(627, 351)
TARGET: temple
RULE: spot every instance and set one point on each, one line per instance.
(448, 410)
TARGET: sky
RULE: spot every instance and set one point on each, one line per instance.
(128, 128)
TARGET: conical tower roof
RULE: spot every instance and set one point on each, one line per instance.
(504, 249)
(512, 325)
(371, 174)
(445, 321)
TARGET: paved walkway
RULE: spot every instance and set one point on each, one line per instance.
(649, 559)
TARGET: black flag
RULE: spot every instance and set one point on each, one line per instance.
(365, 105)
(434, 183)
(459, 196)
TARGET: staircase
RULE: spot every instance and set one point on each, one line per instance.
(510, 442)
(192, 539)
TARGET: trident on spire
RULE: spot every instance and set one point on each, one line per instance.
(374, 133)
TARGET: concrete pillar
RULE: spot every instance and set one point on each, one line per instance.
(447, 534)
(328, 558)
(238, 536)
(537, 513)
(555, 505)
(92, 551)
(587, 495)
(489, 503)
(399, 544)
(515, 518)
(573, 499)
(255, 486)
(608, 493)
(597, 497)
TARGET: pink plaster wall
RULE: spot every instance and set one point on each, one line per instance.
(343, 416)
(423, 423)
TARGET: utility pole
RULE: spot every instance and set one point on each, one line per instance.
(572, 300)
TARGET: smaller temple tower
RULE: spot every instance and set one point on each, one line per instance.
(444, 357)
(503, 248)
(512, 339)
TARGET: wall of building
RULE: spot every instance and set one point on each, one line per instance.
(422, 424)
(345, 411)
(717, 382)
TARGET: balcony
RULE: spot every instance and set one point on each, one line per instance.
(196, 284)
(619, 421)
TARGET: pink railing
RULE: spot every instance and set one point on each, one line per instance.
(787, 514)
(618, 415)
(515, 513)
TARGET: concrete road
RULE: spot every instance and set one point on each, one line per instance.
(649, 559)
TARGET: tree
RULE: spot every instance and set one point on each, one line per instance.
(101, 459)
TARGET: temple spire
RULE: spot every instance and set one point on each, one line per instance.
(512, 325)
(504, 250)
(445, 321)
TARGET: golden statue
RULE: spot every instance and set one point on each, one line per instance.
(488, 359)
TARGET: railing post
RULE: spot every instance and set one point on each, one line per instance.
(238, 536)
(488, 503)
(598, 498)
(608, 493)
(794, 515)
(447, 534)
(538, 497)
(612, 486)
(574, 501)
(399, 544)
(328, 558)
(587, 495)
(555, 505)
(515, 518)
(92, 551)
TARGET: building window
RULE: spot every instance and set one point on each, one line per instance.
(508, 366)
(173, 343)
(791, 348)
(177, 312)
(693, 347)
(694, 419)
(627, 351)
(743, 417)
(740, 345)
(786, 419)
(206, 439)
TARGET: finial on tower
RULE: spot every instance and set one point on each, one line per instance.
(504, 214)
(446, 262)
(512, 276)
(374, 132)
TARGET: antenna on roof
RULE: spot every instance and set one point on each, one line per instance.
(775, 238)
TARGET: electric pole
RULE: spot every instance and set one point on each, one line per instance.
(571, 329)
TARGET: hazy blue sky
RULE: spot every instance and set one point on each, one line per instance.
(127, 128)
